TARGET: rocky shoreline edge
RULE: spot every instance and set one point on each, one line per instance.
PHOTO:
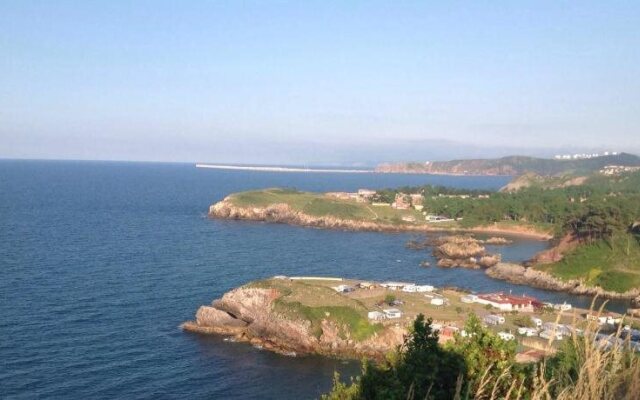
(247, 314)
(513, 273)
(522, 275)
(283, 213)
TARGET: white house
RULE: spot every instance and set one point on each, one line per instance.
(437, 301)
(409, 289)
(376, 315)
(469, 298)
(396, 285)
(392, 313)
(562, 307)
(560, 328)
(343, 288)
(506, 336)
(524, 331)
(537, 322)
(425, 288)
(551, 334)
(494, 319)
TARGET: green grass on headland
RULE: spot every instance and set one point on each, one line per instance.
(317, 302)
(613, 265)
(319, 205)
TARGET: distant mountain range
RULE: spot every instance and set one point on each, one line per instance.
(512, 165)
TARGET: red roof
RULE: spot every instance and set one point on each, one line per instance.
(502, 298)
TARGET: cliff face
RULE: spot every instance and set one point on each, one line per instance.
(283, 213)
(522, 275)
(248, 315)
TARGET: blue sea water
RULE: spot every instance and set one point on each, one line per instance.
(101, 261)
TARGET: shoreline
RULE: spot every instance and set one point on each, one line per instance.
(282, 213)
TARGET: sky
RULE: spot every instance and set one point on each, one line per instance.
(323, 82)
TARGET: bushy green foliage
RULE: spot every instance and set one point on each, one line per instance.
(591, 211)
(482, 366)
(485, 356)
(421, 370)
(612, 264)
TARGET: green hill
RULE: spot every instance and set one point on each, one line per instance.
(514, 165)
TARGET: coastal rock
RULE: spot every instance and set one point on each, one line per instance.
(522, 275)
(557, 252)
(462, 251)
(494, 240)
(210, 316)
(248, 314)
(458, 247)
(283, 213)
(489, 260)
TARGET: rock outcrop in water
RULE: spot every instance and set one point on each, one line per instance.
(247, 314)
(462, 251)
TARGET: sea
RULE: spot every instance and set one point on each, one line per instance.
(100, 263)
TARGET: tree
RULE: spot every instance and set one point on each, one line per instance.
(421, 370)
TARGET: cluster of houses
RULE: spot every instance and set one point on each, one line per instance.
(584, 155)
(504, 302)
(613, 170)
(406, 201)
(394, 313)
(407, 287)
(545, 330)
(361, 196)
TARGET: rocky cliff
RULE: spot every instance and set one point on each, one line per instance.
(283, 213)
(519, 274)
(248, 314)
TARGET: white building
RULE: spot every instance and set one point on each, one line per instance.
(376, 315)
(409, 289)
(343, 288)
(537, 322)
(494, 319)
(424, 288)
(437, 301)
(469, 298)
(506, 336)
(396, 285)
(551, 334)
(562, 307)
(392, 313)
(527, 331)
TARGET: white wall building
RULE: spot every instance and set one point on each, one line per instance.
(392, 313)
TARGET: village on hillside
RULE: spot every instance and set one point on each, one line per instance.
(402, 201)
(532, 323)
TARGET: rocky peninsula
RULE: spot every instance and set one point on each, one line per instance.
(523, 275)
(316, 210)
(343, 318)
(298, 317)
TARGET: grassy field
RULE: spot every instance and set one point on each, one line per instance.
(613, 265)
(316, 300)
(318, 204)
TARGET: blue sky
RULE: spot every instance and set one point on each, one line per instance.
(317, 82)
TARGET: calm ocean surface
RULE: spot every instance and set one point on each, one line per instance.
(100, 262)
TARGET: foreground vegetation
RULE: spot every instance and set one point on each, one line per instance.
(482, 366)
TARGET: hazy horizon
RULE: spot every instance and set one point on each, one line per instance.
(317, 83)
